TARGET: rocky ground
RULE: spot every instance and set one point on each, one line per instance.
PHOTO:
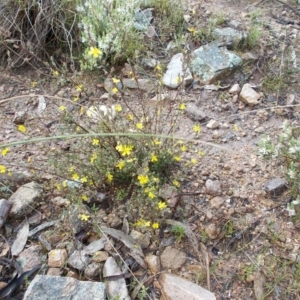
(239, 241)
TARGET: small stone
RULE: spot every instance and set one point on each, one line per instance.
(235, 89)
(212, 124)
(194, 112)
(153, 263)
(114, 221)
(213, 187)
(172, 258)
(60, 201)
(209, 215)
(20, 117)
(275, 186)
(216, 202)
(57, 258)
(248, 95)
(100, 256)
(30, 257)
(54, 272)
(92, 270)
(187, 18)
(290, 99)
(142, 239)
(79, 260)
(211, 231)
(5, 207)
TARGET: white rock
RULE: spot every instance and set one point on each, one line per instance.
(212, 124)
(248, 95)
(57, 258)
(177, 72)
(176, 288)
(172, 258)
(235, 89)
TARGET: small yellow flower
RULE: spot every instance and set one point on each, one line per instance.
(58, 187)
(153, 158)
(84, 179)
(139, 125)
(201, 153)
(83, 217)
(118, 108)
(93, 158)
(64, 184)
(176, 183)
(155, 180)
(182, 106)
(22, 128)
(130, 117)
(121, 164)
(116, 80)
(55, 73)
(177, 158)
(192, 30)
(194, 161)
(147, 224)
(95, 142)
(75, 99)
(115, 90)
(82, 110)
(197, 128)
(151, 195)
(79, 87)
(95, 52)
(183, 148)
(156, 143)
(84, 197)
(124, 149)
(161, 205)
(62, 108)
(2, 169)
(109, 177)
(33, 84)
(143, 179)
(4, 151)
(143, 223)
(75, 176)
(235, 127)
(71, 168)
(77, 129)
(158, 67)
(155, 225)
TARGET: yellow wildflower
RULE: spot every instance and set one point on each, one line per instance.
(162, 205)
(64, 184)
(118, 108)
(235, 127)
(153, 158)
(177, 158)
(93, 158)
(182, 106)
(22, 128)
(156, 143)
(151, 195)
(130, 117)
(109, 177)
(116, 80)
(176, 183)
(2, 169)
(84, 179)
(58, 187)
(71, 168)
(62, 108)
(142, 223)
(75, 99)
(84, 217)
(33, 84)
(121, 164)
(158, 67)
(79, 87)
(84, 197)
(75, 176)
(55, 73)
(95, 142)
(95, 52)
(139, 125)
(194, 161)
(192, 30)
(177, 79)
(183, 148)
(197, 128)
(201, 153)
(115, 90)
(143, 179)
(124, 149)
(155, 225)
(4, 151)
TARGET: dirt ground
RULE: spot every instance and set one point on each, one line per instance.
(254, 254)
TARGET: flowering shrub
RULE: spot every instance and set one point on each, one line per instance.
(286, 149)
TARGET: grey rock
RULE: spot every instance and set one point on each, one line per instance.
(235, 89)
(213, 187)
(248, 56)
(212, 124)
(153, 263)
(177, 72)
(5, 207)
(60, 201)
(115, 288)
(216, 202)
(172, 258)
(211, 231)
(79, 260)
(25, 199)
(96, 245)
(275, 186)
(20, 117)
(30, 257)
(228, 37)
(177, 288)
(100, 256)
(140, 83)
(194, 112)
(211, 62)
(64, 288)
(248, 95)
(142, 239)
(92, 270)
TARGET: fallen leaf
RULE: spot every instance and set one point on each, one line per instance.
(21, 240)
